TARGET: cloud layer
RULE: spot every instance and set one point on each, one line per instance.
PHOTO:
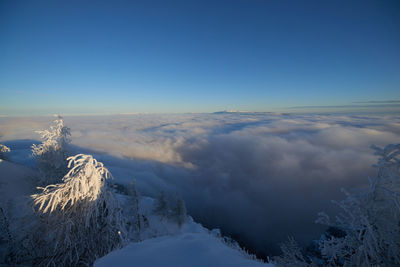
(260, 177)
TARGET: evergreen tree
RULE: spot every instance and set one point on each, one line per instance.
(370, 220)
(81, 217)
(179, 212)
(292, 255)
(51, 154)
(3, 150)
(6, 238)
(135, 220)
(161, 205)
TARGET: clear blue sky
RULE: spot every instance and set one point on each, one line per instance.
(195, 56)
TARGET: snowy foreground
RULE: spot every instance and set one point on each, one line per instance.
(186, 249)
(189, 245)
(164, 243)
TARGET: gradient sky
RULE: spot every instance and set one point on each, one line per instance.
(196, 56)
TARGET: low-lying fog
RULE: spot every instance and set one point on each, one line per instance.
(259, 177)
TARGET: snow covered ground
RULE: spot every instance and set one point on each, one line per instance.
(14, 180)
(164, 242)
(187, 249)
(16, 183)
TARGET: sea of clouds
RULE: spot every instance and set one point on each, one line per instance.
(260, 177)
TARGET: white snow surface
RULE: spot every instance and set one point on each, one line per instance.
(186, 249)
(16, 184)
(15, 181)
(166, 244)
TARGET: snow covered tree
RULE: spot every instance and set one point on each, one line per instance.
(161, 205)
(6, 238)
(179, 212)
(292, 255)
(51, 154)
(23, 239)
(135, 220)
(370, 219)
(81, 217)
(3, 150)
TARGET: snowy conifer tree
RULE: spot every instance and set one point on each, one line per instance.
(161, 205)
(371, 219)
(18, 234)
(135, 220)
(3, 150)
(81, 216)
(51, 154)
(179, 212)
(292, 255)
(6, 238)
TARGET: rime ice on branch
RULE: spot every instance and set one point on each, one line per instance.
(3, 149)
(51, 154)
(83, 216)
(370, 219)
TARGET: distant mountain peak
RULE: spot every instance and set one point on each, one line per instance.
(230, 111)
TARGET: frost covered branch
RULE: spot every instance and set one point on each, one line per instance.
(371, 219)
(51, 154)
(291, 255)
(3, 149)
(83, 217)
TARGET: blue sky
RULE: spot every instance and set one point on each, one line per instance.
(195, 56)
